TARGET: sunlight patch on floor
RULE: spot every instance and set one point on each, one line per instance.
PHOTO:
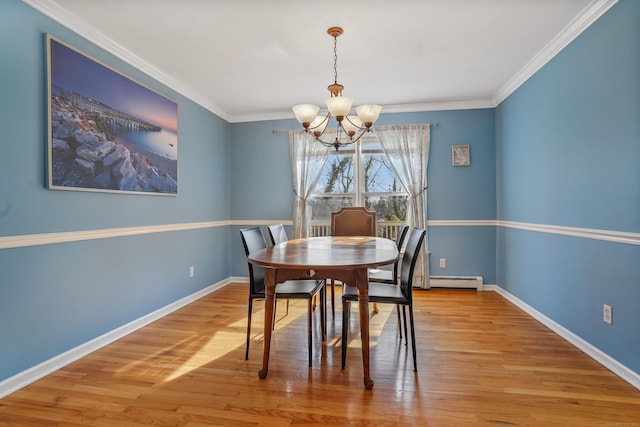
(197, 351)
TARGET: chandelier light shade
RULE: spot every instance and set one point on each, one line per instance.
(349, 128)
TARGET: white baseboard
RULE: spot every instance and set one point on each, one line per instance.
(604, 359)
(47, 367)
(34, 373)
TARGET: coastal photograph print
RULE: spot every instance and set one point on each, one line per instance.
(106, 131)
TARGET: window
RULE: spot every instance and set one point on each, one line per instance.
(359, 175)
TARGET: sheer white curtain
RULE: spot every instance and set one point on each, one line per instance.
(307, 160)
(407, 147)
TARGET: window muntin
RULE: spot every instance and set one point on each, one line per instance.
(359, 175)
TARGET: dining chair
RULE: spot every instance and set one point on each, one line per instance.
(253, 240)
(277, 234)
(351, 221)
(385, 293)
(391, 275)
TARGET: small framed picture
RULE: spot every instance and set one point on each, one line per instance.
(460, 155)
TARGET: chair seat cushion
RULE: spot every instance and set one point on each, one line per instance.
(376, 275)
(301, 289)
(378, 292)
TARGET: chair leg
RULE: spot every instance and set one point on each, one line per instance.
(323, 313)
(399, 321)
(333, 298)
(413, 339)
(404, 316)
(309, 332)
(346, 308)
(246, 353)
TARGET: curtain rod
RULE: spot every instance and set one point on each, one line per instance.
(277, 131)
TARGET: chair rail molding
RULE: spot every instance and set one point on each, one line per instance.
(18, 241)
(8, 242)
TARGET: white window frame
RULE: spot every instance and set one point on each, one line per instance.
(359, 194)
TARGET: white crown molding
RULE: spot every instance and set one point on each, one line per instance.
(461, 104)
(580, 23)
(589, 15)
(77, 25)
(468, 104)
(36, 372)
(604, 359)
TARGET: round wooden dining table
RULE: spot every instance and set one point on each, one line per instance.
(346, 259)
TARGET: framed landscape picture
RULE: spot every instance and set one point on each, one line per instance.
(107, 132)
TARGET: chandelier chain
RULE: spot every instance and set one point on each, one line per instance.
(349, 128)
(335, 59)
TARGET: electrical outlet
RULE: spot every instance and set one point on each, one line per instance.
(192, 271)
(443, 263)
(607, 314)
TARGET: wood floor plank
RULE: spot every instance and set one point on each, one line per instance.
(482, 361)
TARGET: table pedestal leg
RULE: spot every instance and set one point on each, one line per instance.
(362, 285)
(270, 292)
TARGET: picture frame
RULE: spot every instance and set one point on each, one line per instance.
(460, 155)
(106, 131)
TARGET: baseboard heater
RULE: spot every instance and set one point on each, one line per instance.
(470, 282)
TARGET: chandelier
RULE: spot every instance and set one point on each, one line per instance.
(339, 107)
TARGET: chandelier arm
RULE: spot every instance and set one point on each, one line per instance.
(359, 126)
(362, 132)
(345, 130)
(325, 120)
(338, 141)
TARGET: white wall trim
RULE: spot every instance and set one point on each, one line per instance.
(588, 16)
(604, 359)
(34, 373)
(47, 367)
(587, 233)
(76, 236)
(77, 25)
(462, 223)
(9, 242)
(254, 222)
(66, 18)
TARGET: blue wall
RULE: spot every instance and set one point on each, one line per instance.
(562, 150)
(55, 297)
(262, 190)
(568, 150)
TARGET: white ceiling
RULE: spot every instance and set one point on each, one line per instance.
(251, 60)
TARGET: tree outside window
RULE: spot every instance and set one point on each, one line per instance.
(359, 175)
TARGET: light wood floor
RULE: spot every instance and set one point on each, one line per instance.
(482, 361)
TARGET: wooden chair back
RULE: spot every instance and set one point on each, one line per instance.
(353, 221)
